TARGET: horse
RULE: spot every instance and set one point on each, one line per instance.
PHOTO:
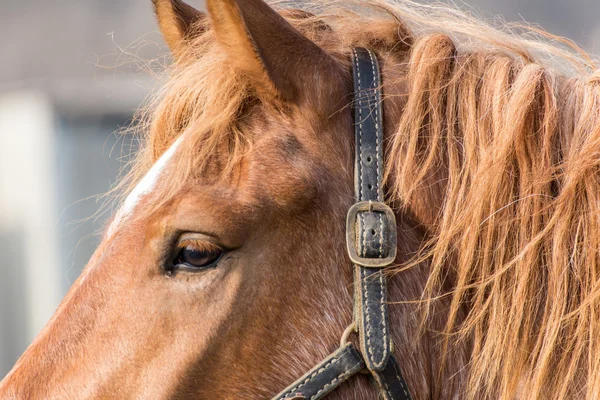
(224, 273)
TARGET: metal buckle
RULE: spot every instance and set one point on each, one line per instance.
(351, 231)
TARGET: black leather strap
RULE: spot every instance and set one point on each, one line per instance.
(373, 230)
(390, 382)
(370, 285)
(368, 126)
(371, 237)
(326, 376)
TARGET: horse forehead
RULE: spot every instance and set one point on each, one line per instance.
(282, 165)
(282, 169)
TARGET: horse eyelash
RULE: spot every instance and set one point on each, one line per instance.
(198, 244)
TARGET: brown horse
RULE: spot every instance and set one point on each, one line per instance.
(224, 274)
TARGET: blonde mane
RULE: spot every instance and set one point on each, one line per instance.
(500, 135)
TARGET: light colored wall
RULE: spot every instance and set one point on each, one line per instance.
(28, 213)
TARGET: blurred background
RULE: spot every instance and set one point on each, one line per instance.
(72, 72)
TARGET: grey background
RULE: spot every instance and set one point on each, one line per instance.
(87, 60)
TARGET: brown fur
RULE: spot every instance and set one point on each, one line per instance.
(492, 162)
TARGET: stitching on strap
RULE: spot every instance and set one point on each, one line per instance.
(363, 233)
(380, 236)
(366, 311)
(378, 150)
(387, 389)
(360, 126)
(401, 381)
(383, 319)
(317, 372)
(333, 382)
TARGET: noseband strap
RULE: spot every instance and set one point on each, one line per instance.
(371, 242)
(326, 376)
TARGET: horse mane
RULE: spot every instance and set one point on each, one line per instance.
(500, 135)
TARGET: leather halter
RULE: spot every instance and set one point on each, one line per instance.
(371, 241)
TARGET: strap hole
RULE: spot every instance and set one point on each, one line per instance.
(369, 159)
(373, 232)
(370, 186)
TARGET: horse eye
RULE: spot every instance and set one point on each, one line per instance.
(192, 257)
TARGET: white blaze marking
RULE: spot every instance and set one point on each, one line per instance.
(145, 186)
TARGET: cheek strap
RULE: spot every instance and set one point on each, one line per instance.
(371, 242)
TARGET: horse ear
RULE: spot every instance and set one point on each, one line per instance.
(261, 44)
(178, 22)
